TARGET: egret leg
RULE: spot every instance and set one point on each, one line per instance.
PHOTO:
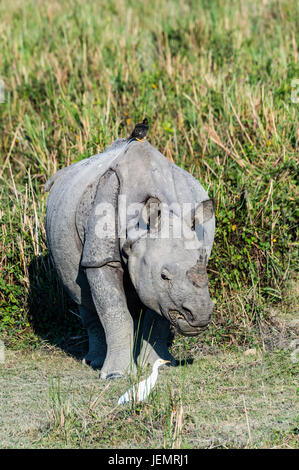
(156, 330)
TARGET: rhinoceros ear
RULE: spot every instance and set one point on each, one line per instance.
(151, 215)
(146, 219)
(203, 212)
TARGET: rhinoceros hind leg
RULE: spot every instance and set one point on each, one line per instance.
(96, 335)
(155, 332)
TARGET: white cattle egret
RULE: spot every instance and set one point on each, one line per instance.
(141, 391)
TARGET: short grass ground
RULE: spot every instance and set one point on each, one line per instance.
(225, 396)
(224, 399)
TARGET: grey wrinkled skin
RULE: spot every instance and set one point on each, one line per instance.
(107, 276)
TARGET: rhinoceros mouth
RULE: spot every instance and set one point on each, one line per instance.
(179, 321)
(175, 315)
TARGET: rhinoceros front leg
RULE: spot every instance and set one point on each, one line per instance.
(106, 285)
(96, 337)
(155, 332)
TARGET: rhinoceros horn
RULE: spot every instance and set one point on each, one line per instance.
(197, 274)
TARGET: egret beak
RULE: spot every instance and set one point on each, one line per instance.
(165, 362)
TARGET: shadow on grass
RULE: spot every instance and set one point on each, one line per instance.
(184, 362)
(53, 315)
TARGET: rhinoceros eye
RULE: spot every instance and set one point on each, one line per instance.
(165, 274)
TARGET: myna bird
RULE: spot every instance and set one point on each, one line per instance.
(139, 132)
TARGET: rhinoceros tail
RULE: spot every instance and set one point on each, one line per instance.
(49, 183)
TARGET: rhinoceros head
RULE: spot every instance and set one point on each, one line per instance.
(169, 269)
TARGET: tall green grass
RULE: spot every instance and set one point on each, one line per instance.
(215, 80)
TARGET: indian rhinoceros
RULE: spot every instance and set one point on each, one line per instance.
(124, 226)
